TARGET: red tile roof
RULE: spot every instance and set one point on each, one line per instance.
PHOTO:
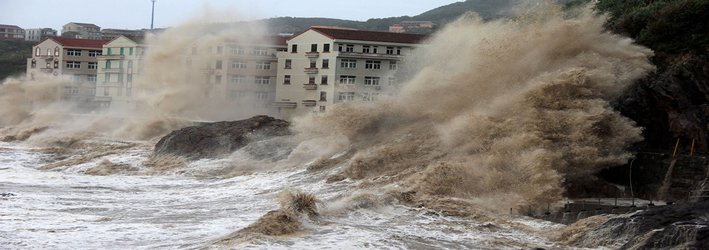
(279, 40)
(83, 43)
(375, 36)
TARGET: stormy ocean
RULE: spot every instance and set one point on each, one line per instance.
(492, 120)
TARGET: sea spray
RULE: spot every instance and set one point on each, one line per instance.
(500, 113)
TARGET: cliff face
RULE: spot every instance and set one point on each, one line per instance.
(672, 103)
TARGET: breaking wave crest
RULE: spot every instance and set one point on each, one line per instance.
(501, 113)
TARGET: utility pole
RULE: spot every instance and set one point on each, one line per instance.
(152, 16)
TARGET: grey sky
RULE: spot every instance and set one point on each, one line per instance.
(135, 14)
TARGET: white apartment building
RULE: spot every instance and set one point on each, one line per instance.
(326, 65)
(239, 71)
(120, 63)
(81, 30)
(39, 34)
(72, 59)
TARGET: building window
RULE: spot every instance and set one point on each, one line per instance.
(56, 63)
(392, 81)
(76, 78)
(288, 64)
(94, 53)
(346, 96)
(130, 51)
(339, 47)
(263, 80)
(323, 96)
(373, 65)
(73, 65)
(311, 80)
(220, 50)
(347, 79)
(263, 65)
(92, 65)
(286, 79)
(233, 94)
(350, 48)
(325, 63)
(56, 51)
(49, 52)
(109, 52)
(371, 80)
(314, 47)
(326, 47)
(348, 63)
(370, 97)
(105, 91)
(238, 64)
(34, 63)
(261, 52)
(218, 64)
(236, 79)
(322, 108)
(91, 78)
(262, 96)
(130, 78)
(398, 50)
(237, 50)
(294, 48)
(313, 65)
(37, 51)
(108, 64)
(392, 65)
(375, 49)
(365, 49)
(122, 51)
(323, 80)
(390, 50)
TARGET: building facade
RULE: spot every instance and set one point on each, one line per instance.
(120, 62)
(74, 60)
(325, 65)
(39, 34)
(238, 71)
(110, 34)
(81, 31)
(11, 32)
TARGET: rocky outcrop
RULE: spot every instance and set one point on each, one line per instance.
(681, 226)
(210, 140)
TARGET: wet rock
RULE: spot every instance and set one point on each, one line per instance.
(681, 226)
(210, 140)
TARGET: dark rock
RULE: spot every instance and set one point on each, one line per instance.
(683, 226)
(209, 140)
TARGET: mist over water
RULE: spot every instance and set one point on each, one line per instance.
(501, 113)
(495, 115)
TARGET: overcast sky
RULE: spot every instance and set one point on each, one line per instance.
(135, 14)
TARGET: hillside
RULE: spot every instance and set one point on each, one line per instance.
(13, 57)
(487, 9)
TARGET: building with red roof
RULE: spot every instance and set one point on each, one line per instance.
(327, 65)
(74, 60)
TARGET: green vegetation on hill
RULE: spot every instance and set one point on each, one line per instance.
(13, 57)
(666, 26)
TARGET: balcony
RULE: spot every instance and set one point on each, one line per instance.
(370, 55)
(112, 70)
(311, 70)
(310, 86)
(309, 103)
(285, 104)
(312, 54)
(111, 57)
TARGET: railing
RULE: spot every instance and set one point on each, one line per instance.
(310, 86)
(309, 103)
(285, 104)
(312, 54)
(113, 70)
(111, 57)
(311, 70)
(369, 55)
